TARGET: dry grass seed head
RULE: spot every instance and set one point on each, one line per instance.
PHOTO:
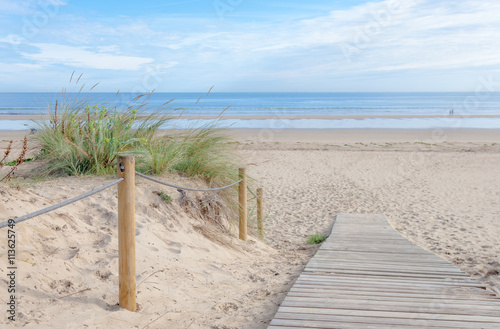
(6, 153)
(19, 161)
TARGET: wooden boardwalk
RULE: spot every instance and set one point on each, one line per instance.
(365, 275)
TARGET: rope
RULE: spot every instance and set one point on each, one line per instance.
(62, 204)
(249, 190)
(186, 188)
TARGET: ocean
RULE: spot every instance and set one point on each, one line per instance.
(287, 110)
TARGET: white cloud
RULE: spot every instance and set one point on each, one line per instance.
(389, 38)
(81, 57)
(385, 35)
(108, 49)
(16, 68)
(30, 66)
(15, 7)
(57, 2)
(391, 35)
(27, 7)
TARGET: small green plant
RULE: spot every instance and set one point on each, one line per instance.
(164, 196)
(14, 162)
(316, 238)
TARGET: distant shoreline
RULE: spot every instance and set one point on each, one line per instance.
(289, 117)
(323, 122)
(326, 136)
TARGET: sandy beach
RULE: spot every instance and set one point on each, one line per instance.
(438, 188)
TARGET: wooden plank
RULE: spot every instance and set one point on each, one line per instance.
(360, 255)
(382, 260)
(341, 265)
(424, 279)
(284, 323)
(366, 275)
(381, 307)
(452, 293)
(412, 267)
(393, 283)
(409, 290)
(339, 253)
(402, 323)
(399, 251)
(375, 272)
(439, 307)
(379, 259)
(449, 299)
(479, 320)
(375, 275)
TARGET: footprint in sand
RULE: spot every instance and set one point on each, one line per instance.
(174, 251)
(227, 307)
(88, 219)
(71, 253)
(102, 240)
(103, 275)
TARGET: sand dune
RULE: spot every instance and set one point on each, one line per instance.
(184, 277)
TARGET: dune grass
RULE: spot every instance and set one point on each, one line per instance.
(207, 153)
(87, 140)
(80, 139)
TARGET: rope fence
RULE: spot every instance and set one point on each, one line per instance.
(126, 219)
(62, 204)
(183, 187)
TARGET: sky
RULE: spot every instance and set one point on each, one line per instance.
(250, 45)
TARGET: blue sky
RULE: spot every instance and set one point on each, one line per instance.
(250, 45)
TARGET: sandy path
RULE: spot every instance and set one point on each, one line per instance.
(446, 202)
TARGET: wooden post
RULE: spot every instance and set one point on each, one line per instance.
(260, 213)
(126, 232)
(242, 193)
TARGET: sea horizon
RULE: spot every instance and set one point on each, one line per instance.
(286, 110)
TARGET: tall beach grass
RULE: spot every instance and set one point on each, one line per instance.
(78, 139)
